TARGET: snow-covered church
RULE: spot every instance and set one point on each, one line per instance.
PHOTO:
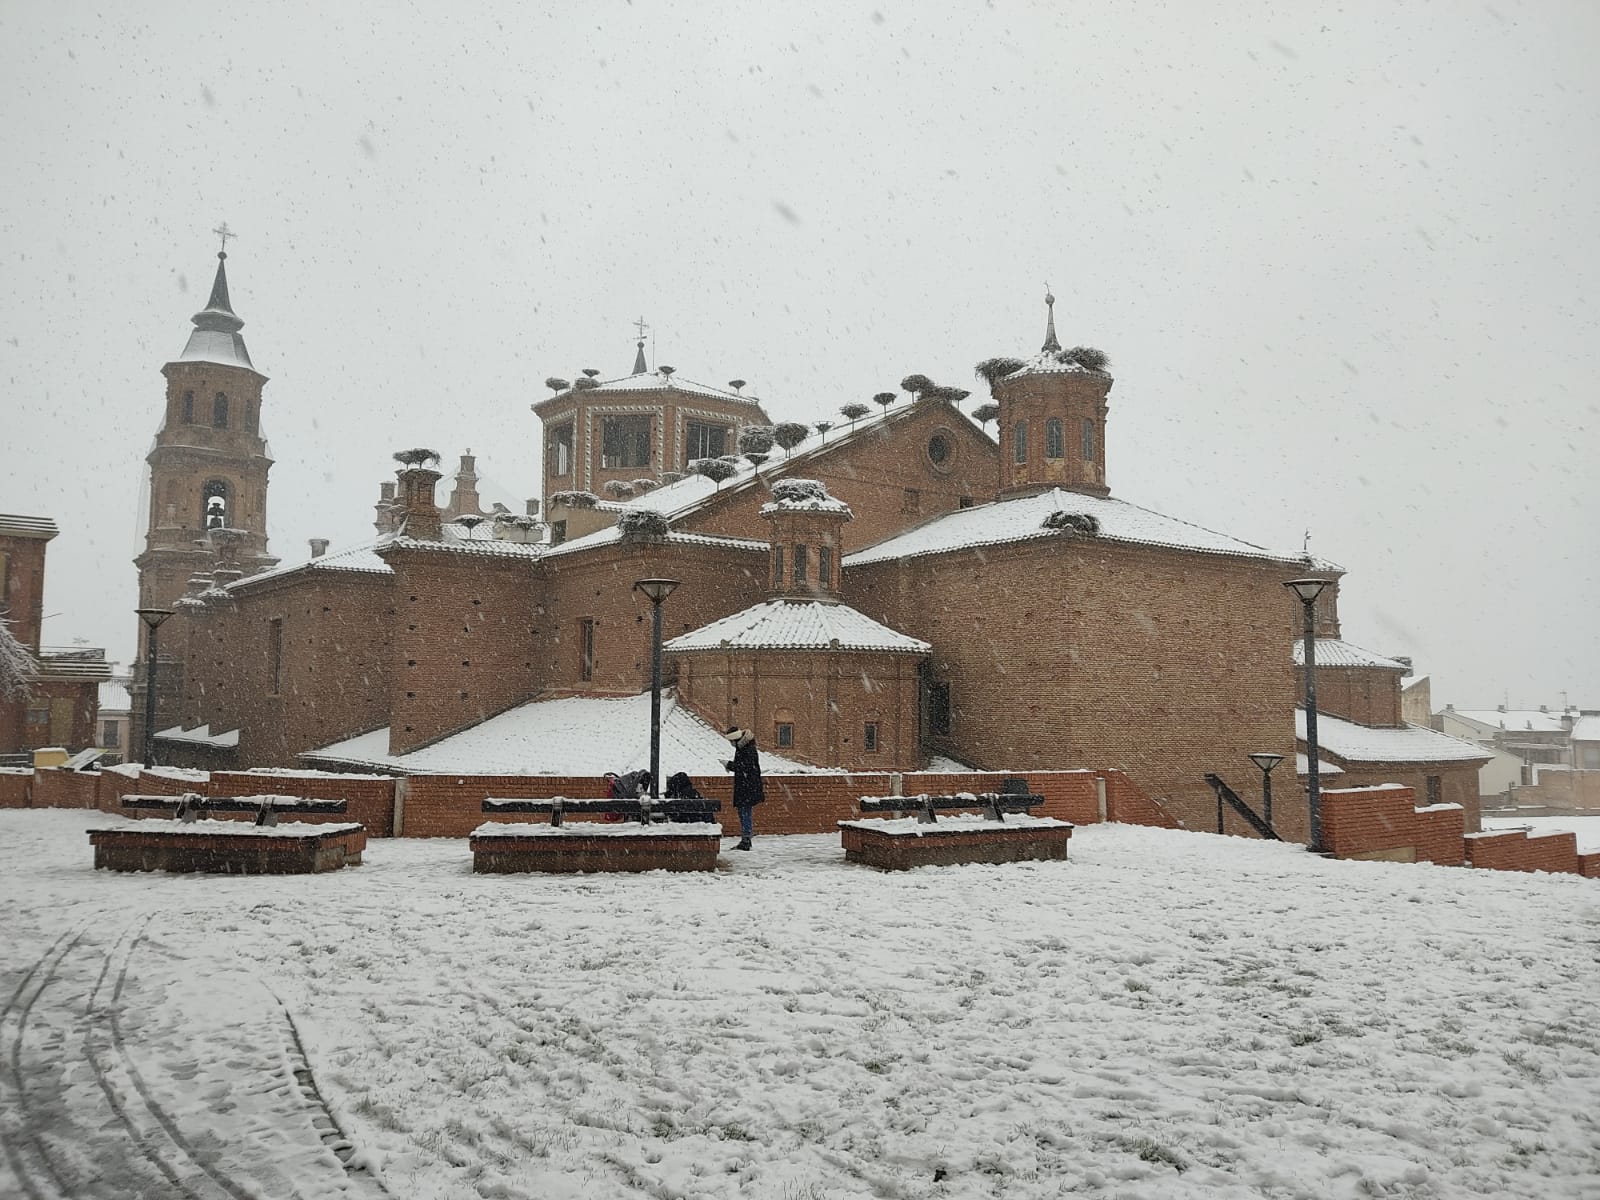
(881, 589)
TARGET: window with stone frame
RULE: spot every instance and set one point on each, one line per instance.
(1089, 448)
(625, 441)
(800, 571)
(1019, 442)
(703, 440)
(110, 734)
(825, 565)
(219, 411)
(560, 443)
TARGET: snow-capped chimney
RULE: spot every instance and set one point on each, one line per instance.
(319, 547)
(388, 513)
(419, 511)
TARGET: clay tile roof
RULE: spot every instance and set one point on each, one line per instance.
(798, 625)
(1334, 653)
(1366, 744)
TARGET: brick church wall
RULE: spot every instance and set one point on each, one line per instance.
(1163, 664)
(874, 476)
(1365, 695)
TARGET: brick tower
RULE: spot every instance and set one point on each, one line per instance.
(1053, 419)
(208, 470)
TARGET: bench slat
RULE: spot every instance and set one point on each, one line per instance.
(558, 806)
(997, 804)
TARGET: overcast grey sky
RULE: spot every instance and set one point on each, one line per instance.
(1344, 259)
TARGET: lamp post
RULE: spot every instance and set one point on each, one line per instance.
(1307, 590)
(656, 590)
(152, 618)
(1266, 762)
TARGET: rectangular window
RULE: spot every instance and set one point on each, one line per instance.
(1055, 440)
(800, 572)
(1435, 790)
(777, 566)
(701, 440)
(38, 713)
(625, 442)
(911, 500)
(586, 648)
(558, 532)
(785, 737)
(825, 565)
(275, 655)
(188, 408)
(1019, 441)
(561, 450)
(110, 734)
(869, 737)
(219, 411)
(1088, 441)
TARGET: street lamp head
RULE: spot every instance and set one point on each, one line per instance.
(1307, 589)
(1265, 761)
(656, 589)
(152, 617)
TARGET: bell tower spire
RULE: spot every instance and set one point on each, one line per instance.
(1051, 345)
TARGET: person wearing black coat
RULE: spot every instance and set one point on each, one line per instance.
(747, 790)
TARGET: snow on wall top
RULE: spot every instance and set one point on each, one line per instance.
(798, 625)
(201, 735)
(1363, 743)
(1517, 720)
(18, 525)
(1586, 729)
(361, 558)
(1334, 653)
(1022, 518)
(580, 735)
(611, 535)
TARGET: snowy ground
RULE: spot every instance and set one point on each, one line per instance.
(1167, 1015)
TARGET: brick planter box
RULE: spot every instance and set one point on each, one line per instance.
(504, 848)
(227, 848)
(898, 844)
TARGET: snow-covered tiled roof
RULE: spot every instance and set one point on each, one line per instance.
(201, 735)
(217, 346)
(654, 381)
(1302, 764)
(115, 697)
(362, 559)
(827, 504)
(1046, 363)
(610, 535)
(580, 735)
(482, 547)
(75, 664)
(1334, 653)
(798, 625)
(17, 525)
(1364, 743)
(1022, 519)
(1586, 729)
(1517, 720)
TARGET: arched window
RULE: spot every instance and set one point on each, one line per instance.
(1055, 441)
(216, 504)
(188, 408)
(219, 411)
(1019, 441)
(1088, 440)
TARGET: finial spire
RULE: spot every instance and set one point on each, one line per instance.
(1050, 342)
(223, 232)
(639, 365)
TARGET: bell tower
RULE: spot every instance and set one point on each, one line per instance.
(1053, 418)
(208, 467)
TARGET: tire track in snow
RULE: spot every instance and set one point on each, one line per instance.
(20, 1126)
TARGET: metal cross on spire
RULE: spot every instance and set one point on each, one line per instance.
(223, 232)
(642, 328)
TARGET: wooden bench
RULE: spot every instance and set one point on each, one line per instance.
(644, 843)
(191, 841)
(894, 845)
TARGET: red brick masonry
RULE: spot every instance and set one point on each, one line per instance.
(255, 853)
(931, 845)
(567, 851)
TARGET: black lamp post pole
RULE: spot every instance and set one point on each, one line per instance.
(1313, 776)
(656, 591)
(152, 618)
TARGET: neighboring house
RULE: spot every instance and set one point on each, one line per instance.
(62, 702)
(116, 711)
(1416, 701)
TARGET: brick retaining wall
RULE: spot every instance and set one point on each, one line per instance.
(371, 800)
(16, 787)
(1514, 850)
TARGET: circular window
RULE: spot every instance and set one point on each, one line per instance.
(940, 450)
